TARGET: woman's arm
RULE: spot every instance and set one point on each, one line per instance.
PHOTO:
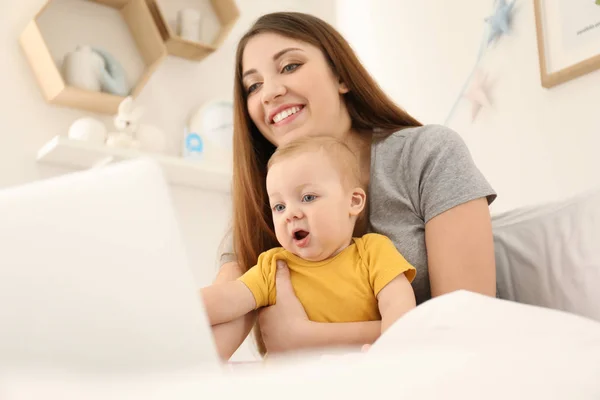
(229, 336)
(353, 334)
(460, 250)
(300, 334)
(285, 326)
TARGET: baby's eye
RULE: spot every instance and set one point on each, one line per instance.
(307, 198)
(278, 207)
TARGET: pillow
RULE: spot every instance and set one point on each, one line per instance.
(549, 255)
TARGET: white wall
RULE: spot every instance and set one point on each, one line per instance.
(27, 122)
(534, 145)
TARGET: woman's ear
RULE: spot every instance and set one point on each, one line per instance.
(343, 88)
(358, 201)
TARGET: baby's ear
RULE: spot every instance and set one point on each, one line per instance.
(358, 201)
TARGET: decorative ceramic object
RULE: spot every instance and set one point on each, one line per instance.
(112, 76)
(95, 69)
(88, 129)
(132, 133)
(188, 24)
(127, 123)
(209, 134)
(82, 68)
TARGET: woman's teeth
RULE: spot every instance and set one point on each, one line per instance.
(285, 113)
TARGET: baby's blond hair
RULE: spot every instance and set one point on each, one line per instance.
(341, 156)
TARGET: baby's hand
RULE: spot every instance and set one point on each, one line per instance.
(365, 348)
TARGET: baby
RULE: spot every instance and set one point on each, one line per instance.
(315, 196)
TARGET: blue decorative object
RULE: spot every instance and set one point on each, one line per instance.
(500, 20)
(193, 145)
(112, 78)
(208, 135)
(193, 142)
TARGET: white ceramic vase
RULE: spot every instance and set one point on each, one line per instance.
(189, 24)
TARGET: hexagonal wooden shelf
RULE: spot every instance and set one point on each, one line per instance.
(220, 15)
(146, 38)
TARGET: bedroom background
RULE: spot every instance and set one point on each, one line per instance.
(533, 144)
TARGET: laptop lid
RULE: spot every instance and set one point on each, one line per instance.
(94, 275)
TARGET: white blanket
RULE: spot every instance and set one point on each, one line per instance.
(462, 346)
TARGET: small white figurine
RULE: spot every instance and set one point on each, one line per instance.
(132, 133)
(127, 123)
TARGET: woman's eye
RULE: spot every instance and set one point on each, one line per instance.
(278, 207)
(253, 87)
(307, 198)
(290, 67)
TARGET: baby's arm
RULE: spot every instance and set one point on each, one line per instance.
(227, 301)
(395, 299)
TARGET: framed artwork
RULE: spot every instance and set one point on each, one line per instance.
(568, 39)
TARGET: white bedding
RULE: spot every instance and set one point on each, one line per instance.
(462, 346)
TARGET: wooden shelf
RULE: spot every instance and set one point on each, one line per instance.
(140, 25)
(75, 154)
(223, 11)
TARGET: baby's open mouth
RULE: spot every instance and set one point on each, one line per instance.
(301, 234)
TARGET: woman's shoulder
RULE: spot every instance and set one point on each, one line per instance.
(416, 145)
(431, 165)
(432, 134)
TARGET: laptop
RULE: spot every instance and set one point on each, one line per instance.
(94, 275)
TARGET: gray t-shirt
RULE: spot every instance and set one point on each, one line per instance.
(416, 174)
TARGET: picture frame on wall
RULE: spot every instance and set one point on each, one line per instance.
(568, 39)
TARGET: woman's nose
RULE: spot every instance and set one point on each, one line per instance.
(272, 89)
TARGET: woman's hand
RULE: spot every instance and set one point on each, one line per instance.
(283, 324)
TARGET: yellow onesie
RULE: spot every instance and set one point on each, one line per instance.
(343, 288)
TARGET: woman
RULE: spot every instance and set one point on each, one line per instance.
(296, 76)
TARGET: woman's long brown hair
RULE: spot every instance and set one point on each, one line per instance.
(369, 108)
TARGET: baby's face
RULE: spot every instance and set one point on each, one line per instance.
(310, 206)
